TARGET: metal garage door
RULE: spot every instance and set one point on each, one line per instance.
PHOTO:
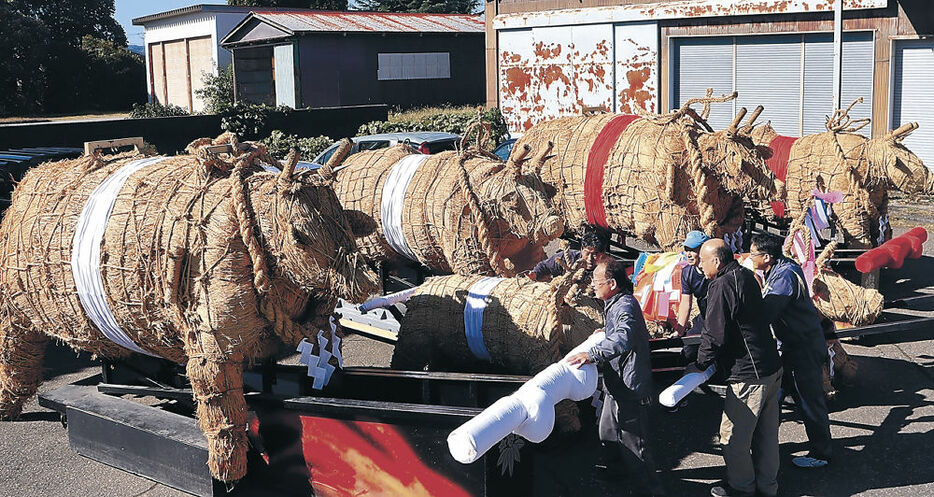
(790, 75)
(912, 95)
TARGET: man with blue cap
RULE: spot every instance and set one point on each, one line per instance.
(693, 287)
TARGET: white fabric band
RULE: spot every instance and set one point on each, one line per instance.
(86, 253)
(400, 175)
(685, 385)
(530, 411)
(473, 315)
(387, 300)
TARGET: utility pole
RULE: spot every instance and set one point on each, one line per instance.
(837, 51)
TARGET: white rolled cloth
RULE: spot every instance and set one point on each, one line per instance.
(530, 411)
(387, 300)
(681, 388)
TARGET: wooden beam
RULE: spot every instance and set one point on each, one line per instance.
(92, 146)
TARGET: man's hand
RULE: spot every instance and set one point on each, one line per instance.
(692, 368)
(577, 360)
(532, 276)
(680, 329)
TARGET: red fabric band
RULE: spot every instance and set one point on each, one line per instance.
(593, 171)
(778, 164)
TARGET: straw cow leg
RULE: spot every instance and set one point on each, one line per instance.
(22, 350)
(217, 383)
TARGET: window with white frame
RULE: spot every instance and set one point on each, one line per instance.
(425, 65)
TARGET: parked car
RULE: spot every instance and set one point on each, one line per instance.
(504, 149)
(426, 142)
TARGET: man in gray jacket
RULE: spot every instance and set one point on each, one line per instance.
(623, 358)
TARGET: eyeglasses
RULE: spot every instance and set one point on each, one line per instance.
(755, 254)
(596, 283)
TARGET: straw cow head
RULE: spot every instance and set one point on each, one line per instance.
(732, 155)
(309, 238)
(520, 207)
(896, 166)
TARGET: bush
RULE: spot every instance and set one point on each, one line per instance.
(449, 120)
(155, 109)
(217, 92)
(248, 121)
(278, 145)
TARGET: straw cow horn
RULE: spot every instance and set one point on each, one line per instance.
(539, 161)
(752, 118)
(515, 164)
(327, 170)
(736, 120)
(289, 167)
(901, 132)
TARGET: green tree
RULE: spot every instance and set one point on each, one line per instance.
(67, 63)
(23, 58)
(70, 21)
(114, 78)
(294, 4)
(425, 6)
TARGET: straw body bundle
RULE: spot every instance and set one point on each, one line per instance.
(862, 169)
(204, 261)
(655, 177)
(839, 299)
(463, 213)
(526, 326)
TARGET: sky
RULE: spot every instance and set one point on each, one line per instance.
(127, 10)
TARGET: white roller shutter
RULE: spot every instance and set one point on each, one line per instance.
(701, 63)
(912, 95)
(857, 71)
(818, 78)
(768, 73)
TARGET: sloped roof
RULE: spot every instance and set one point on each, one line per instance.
(296, 22)
(192, 9)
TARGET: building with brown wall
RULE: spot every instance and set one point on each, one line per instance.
(549, 58)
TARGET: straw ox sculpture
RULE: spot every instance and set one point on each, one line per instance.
(656, 176)
(506, 325)
(840, 160)
(464, 212)
(204, 259)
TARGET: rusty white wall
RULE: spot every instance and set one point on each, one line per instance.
(554, 71)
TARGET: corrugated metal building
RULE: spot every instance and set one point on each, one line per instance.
(323, 59)
(548, 58)
(183, 45)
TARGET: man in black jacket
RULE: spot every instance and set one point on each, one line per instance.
(794, 319)
(623, 358)
(738, 340)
